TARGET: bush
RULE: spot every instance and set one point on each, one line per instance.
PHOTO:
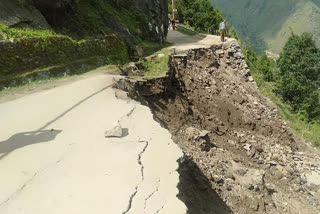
(266, 66)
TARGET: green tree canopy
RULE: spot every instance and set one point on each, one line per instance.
(299, 66)
(199, 14)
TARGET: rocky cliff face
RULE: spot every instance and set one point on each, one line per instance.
(153, 28)
(157, 13)
(13, 15)
(143, 19)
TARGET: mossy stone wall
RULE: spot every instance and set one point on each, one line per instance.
(25, 54)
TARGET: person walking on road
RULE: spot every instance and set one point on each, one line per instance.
(222, 29)
(173, 24)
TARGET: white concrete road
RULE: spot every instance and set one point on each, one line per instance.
(183, 42)
(55, 159)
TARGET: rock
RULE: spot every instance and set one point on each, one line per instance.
(313, 179)
(247, 147)
(220, 53)
(196, 134)
(238, 55)
(221, 130)
(251, 179)
(199, 137)
(114, 132)
(13, 15)
(156, 14)
(250, 79)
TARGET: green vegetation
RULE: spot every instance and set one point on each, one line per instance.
(93, 16)
(147, 48)
(78, 36)
(292, 83)
(16, 33)
(28, 55)
(157, 64)
(199, 14)
(299, 76)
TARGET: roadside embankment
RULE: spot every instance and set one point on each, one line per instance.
(30, 59)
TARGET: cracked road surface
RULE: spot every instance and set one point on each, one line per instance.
(54, 157)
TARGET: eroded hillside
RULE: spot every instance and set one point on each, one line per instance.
(246, 153)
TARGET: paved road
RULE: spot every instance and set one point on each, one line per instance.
(54, 157)
(183, 42)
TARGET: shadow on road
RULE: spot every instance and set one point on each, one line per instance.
(41, 135)
(196, 192)
(26, 138)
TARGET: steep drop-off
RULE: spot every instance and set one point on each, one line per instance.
(235, 136)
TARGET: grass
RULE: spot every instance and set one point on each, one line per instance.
(157, 64)
(16, 33)
(302, 129)
(33, 84)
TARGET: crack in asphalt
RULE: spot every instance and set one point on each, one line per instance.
(149, 196)
(25, 184)
(160, 208)
(127, 115)
(142, 177)
(19, 190)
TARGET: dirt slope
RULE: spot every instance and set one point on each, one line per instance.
(244, 151)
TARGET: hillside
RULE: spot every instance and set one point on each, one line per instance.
(41, 39)
(266, 25)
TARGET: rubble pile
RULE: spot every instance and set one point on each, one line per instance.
(213, 108)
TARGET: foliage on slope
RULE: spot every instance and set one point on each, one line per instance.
(292, 83)
(98, 17)
(199, 14)
(27, 50)
(299, 74)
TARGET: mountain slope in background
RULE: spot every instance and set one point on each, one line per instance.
(267, 24)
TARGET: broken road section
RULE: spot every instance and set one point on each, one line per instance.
(233, 136)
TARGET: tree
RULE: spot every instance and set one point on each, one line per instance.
(299, 65)
(199, 14)
(265, 65)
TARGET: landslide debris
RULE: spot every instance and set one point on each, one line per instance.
(233, 134)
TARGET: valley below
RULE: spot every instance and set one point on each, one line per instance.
(266, 25)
